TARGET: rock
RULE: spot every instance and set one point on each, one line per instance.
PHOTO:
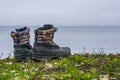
(113, 78)
(104, 77)
(15, 78)
(47, 77)
(48, 65)
(13, 71)
(9, 63)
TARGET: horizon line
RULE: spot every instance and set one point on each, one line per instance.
(63, 25)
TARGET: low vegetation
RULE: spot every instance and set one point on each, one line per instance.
(76, 67)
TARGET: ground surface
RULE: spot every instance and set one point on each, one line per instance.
(76, 67)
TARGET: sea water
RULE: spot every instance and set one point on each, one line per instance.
(79, 39)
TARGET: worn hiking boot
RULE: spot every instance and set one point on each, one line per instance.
(44, 46)
(22, 47)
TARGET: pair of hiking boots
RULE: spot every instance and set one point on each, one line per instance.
(44, 46)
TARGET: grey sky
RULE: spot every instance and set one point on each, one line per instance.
(60, 12)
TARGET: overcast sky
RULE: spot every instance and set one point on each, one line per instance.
(60, 12)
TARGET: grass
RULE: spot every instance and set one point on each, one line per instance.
(76, 67)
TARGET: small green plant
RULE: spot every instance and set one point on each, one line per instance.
(76, 67)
